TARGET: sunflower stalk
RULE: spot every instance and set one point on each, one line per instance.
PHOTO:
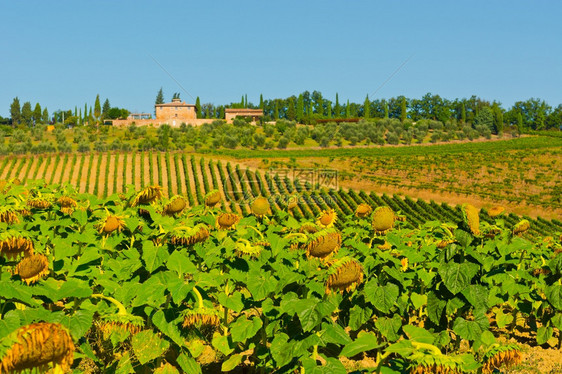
(122, 310)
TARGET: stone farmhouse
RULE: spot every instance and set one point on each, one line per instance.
(178, 112)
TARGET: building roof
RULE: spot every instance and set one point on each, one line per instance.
(175, 103)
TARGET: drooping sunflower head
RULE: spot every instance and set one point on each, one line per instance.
(8, 215)
(344, 275)
(14, 245)
(502, 356)
(111, 223)
(176, 205)
(385, 246)
(120, 322)
(184, 235)
(212, 198)
(428, 363)
(39, 203)
(383, 219)
(471, 217)
(363, 210)
(32, 268)
(308, 228)
(227, 221)
(38, 346)
(323, 243)
(327, 218)
(66, 204)
(521, 227)
(260, 206)
(245, 248)
(201, 317)
(496, 211)
(148, 195)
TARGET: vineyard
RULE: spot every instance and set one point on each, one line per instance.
(110, 173)
(143, 283)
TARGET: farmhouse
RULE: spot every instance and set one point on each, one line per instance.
(231, 113)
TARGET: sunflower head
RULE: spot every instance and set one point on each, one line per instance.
(148, 195)
(327, 218)
(344, 275)
(471, 218)
(13, 245)
(227, 221)
(260, 206)
(120, 322)
(385, 246)
(32, 268)
(66, 202)
(427, 363)
(176, 205)
(363, 210)
(110, 223)
(501, 356)
(383, 219)
(212, 198)
(323, 243)
(201, 317)
(308, 228)
(185, 236)
(8, 215)
(38, 346)
(39, 203)
(496, 211)
(521, 227)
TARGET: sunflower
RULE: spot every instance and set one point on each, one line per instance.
(308, 228)
(8, 215)
(110, 223)
(212, 198)
(344, 275)
(383, 220)
(184, 235)
(323, 243)
(67, 204)
(13, 245)
(363, 210)
(521, 227)
(176, 205)
(260, 207)
(501, 356)
(227, 221)
(327, 218)
(36, 346)
(432, 361)
(200, 317)
(471, 218)
(385, 246)
(39, 203)
(120, 322)
(32, 268)
(148, 195)
(496, 211)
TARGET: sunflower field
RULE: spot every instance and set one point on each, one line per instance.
(140, 282)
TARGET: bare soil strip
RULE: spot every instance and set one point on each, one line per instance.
(49, 168)
(111, 177)
(172, 176)
(29, 174)
(165, 172)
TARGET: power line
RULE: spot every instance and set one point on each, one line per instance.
(392, 75)
(171, 76)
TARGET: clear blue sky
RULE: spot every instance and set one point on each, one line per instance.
(62, 53)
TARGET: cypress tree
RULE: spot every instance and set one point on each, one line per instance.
(300, 108)
(159, 97)
(198, 107)
(367, 108)
(37, 113)
(329, 109)
(337, 107)
(261, 101)
(347, 110)
(85, 112)
(246, 101)
(26, 113)
(45, 116)
(276, 110)
(385, 104)
(105, 108)
(403, 109)
(97, 107)
(291, 111)
(80, 116)
(75, 111)
(242, 102)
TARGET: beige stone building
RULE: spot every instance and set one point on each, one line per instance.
(231, 113)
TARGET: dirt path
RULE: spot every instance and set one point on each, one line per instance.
(190, 179)
(111, 177)
(49, 168)
(65, 176)
(165, 173)
(23, 170)
(118, 161)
